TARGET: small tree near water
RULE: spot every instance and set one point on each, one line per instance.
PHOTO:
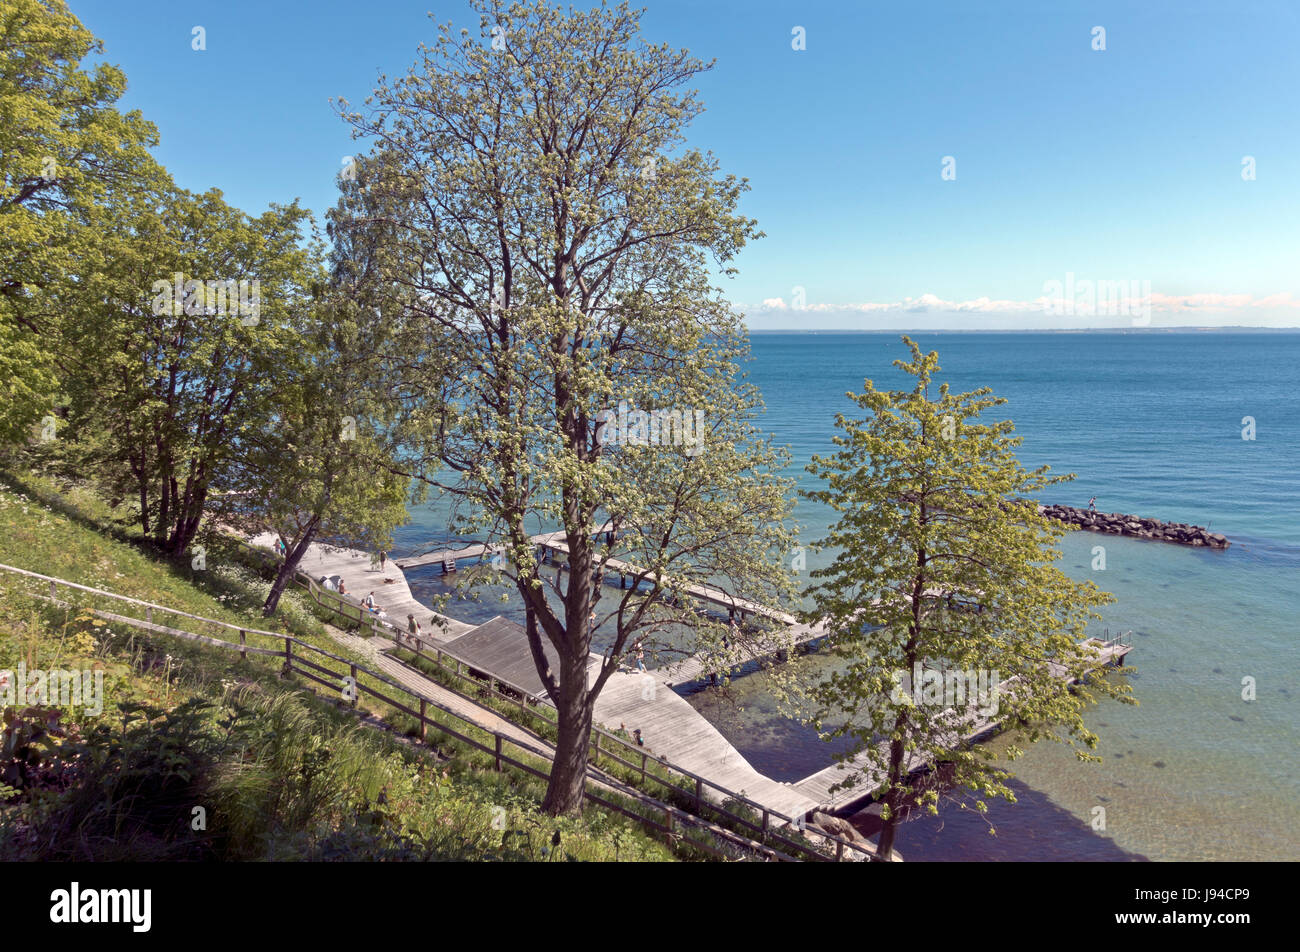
(944, 568)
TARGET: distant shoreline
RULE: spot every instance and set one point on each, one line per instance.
(1226, 329)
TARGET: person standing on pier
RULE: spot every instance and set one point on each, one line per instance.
(383, 558)
(1092, 504)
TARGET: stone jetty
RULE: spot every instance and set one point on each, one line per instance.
(1119, 524)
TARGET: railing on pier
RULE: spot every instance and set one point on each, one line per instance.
(603, 743)
(311, 662)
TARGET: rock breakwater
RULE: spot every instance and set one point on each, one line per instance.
(1119, 524)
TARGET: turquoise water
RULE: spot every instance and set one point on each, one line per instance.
(1151, 423)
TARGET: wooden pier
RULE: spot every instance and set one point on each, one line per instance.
(970, 728)
(670, 727)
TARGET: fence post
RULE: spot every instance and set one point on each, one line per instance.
(643, 768)
(288, 655)
(54, 589)
(668, 818)
(423, 724)
(356, 689)
(148, 614)
(498, 737)
(699, 794)
(243, 643)
(595, 756)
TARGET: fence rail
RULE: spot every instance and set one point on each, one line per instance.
(504, 749)
(603, 743)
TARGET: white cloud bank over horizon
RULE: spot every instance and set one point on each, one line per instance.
(1090, 307)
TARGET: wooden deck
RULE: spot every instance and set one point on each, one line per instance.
(361, 576)
(500, 648)
(670, 727)
(968, 729)
(732, 603)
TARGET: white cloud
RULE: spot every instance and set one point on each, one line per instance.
(932, 303)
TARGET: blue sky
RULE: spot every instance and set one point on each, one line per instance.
(1123, 165)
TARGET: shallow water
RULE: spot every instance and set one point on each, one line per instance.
(1151, 423)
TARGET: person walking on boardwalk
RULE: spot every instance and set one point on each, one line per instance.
(1092, 504)
(640, 658)
(383, 557)
(413, 627)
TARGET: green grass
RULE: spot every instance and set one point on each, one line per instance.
(279, 768)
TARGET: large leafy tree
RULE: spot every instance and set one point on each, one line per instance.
(182, 334)
(552, 238)
(941, 562)
(66, 153)
(327, 465)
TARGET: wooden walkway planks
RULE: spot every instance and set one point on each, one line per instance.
(500, 648)
(392, 593)
(675, 731)
(973, 727)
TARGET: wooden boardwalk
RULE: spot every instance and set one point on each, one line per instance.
(361, 576)
(474, 550)
(968, 728)
(670, 727)
(734, 604)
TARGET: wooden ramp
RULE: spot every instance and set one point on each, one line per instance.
(670, 727)
(675, 731)
(361, 576)
(500, 648)
(967, 729)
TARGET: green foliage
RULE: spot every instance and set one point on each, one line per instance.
(280, 774)
(66, 153)
(941, 560)
(547, 236)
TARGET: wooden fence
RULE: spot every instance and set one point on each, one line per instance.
(603, 743)
(314, 663)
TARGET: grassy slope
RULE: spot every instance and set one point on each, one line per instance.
(278, 772)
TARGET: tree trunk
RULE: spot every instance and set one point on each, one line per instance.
(144, 500)
(893, 800)
(287, 570)
(569, 772)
